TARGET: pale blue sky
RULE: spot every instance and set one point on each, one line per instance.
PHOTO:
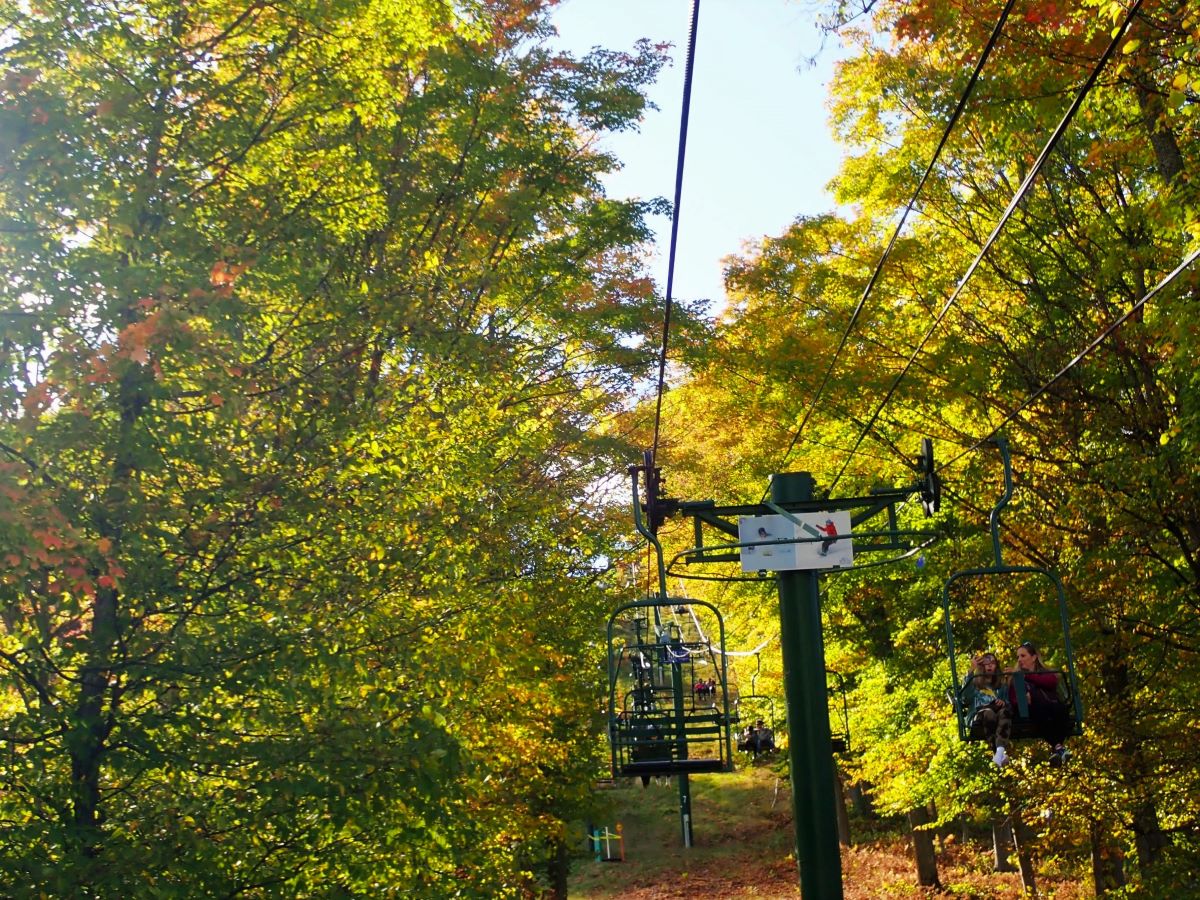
(759, 150)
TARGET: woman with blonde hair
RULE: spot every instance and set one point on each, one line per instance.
(981, 696)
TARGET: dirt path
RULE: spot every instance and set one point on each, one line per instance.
(743, 849)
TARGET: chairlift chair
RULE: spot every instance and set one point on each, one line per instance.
(839, 712)
(656, 727)
(1023, 728)
(751, 708)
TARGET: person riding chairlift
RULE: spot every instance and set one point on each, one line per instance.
(982, 695)
(1047, 712)
(757, 739)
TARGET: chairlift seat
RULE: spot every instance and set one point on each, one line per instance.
(656, 724)
(691, 765)
(1023, 727)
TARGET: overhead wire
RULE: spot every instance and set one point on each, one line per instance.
(1021, 191)
(683, 128)
(753, 652)
(1079, 357)
(705, 640)
(968, 89)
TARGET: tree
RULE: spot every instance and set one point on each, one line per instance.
(301, 300)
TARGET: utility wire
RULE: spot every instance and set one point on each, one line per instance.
(1121, 320)
(954, 117)
(683, 127)
(1017, 198)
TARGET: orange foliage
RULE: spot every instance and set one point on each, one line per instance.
(134, 339)
(38, 399)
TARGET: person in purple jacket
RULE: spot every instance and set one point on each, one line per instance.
(1046, 711)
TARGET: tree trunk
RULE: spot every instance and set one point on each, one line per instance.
(927, 873)
(1022, 836)
(1001, 845)
(1167, 154)
(861, 800)
(843, 817)
(88, 742)
(1108, 866)
(558, 868)
(1149, 838)
(1148, 835)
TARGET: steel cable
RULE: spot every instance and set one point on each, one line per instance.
(954, 117)
(1058, 376)
(683, 127)
(1067, 118)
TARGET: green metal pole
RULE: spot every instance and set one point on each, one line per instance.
(809, 740)
(685, 791)
(685, 808)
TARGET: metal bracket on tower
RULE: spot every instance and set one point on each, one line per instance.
(657, 507)
(930, 485)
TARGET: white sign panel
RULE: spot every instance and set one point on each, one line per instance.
(822, 540)
(762, 554)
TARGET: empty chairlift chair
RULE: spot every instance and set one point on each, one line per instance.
(656, 724)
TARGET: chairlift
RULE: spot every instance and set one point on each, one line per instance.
(839, 712)
(1023, 727)
(753, 708)
(658, 723)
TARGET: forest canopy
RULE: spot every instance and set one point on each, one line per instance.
(310, 315)
(321, 341)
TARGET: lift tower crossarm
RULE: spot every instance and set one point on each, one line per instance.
(724, 519)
